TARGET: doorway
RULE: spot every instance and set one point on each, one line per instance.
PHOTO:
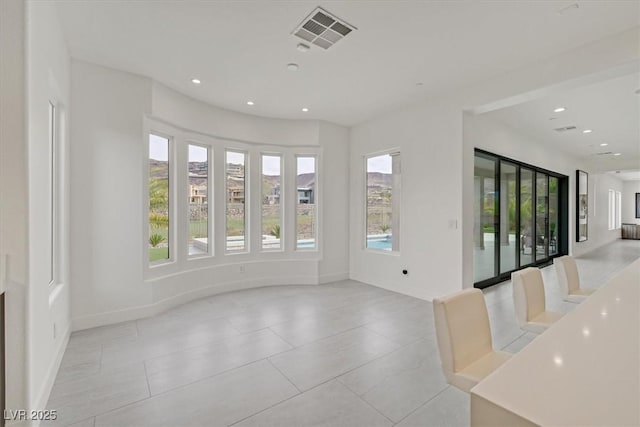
(520, 217)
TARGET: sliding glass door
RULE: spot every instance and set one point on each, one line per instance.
(520, 217)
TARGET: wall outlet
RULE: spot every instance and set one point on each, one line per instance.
(55, 332)
(241, 268)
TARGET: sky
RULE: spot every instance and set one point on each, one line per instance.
(159, 150)
(379, 164)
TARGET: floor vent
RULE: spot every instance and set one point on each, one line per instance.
(323, 29)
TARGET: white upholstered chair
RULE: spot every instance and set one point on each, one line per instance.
(529, 300)
(464, 338)
(569, 280)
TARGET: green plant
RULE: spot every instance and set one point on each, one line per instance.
(275, 231)
(384, 228)
(158, 220)
(155, 239)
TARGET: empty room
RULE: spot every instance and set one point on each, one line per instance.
(339, 213)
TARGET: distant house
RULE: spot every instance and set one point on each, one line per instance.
(305, 195)
(198, 194)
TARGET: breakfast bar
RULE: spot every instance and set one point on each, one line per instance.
(584, 370)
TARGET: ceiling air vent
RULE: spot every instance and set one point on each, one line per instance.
(565, 129)
(323, 29)
(604, 153)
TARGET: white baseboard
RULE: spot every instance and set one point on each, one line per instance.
(139, 312)
(334, 277)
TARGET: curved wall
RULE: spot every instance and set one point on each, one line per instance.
(113, 112)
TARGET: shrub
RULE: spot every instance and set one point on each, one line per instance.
(275, 231)
(155, 239)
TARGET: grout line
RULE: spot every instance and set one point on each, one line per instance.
(424, 404)
(366, 402)
(514, 340)
(281, 373)
(279, 336)
(146, 376)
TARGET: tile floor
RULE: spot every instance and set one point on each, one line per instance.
(341, 354)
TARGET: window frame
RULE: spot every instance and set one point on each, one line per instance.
(53, 142)
(282, 199)
(316, 199)
(247, 201)
(398, 202)
(180, 262)
(171, 228)
(210, 200)
(612, 210)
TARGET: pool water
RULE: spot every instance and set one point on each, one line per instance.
(379, 243)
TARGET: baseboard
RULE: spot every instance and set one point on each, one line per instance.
(140, 312)
(334, 277)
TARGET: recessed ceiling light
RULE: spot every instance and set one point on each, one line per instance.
(302, 47)
(617, 154)
(249, 102)
(559, 110)
(419, 84)
(587, 131)
(604, 144)
(293, 67)
(195, 81)
(305, 109)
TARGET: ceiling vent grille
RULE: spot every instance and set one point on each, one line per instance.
(565, 129)
(323, 29)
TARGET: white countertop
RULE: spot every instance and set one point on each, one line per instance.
(584, 370)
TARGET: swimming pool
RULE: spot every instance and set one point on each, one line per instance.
(373, 242)
(379, 242)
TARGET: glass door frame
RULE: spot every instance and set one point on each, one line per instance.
(562, 226)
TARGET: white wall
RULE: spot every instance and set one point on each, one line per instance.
(113, 111)
(48, 71)
(599, 233)
(14, 273)
(437, 167)
(334, 141)
(431, 180)
(200, 117)
(108, 107)
(629, 190)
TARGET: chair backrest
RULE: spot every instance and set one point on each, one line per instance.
(528, 294)
(567, 273)
(462, 329)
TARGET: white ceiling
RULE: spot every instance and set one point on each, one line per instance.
(240, 49)
(627, 175)
(610, 108)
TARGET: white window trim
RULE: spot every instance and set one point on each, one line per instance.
(282, 201)
(247, 202)
(53, 191)
(317, 199)
(172, 198)
(180, 261)
(391, 152)
(210, 200)
(618, 218)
